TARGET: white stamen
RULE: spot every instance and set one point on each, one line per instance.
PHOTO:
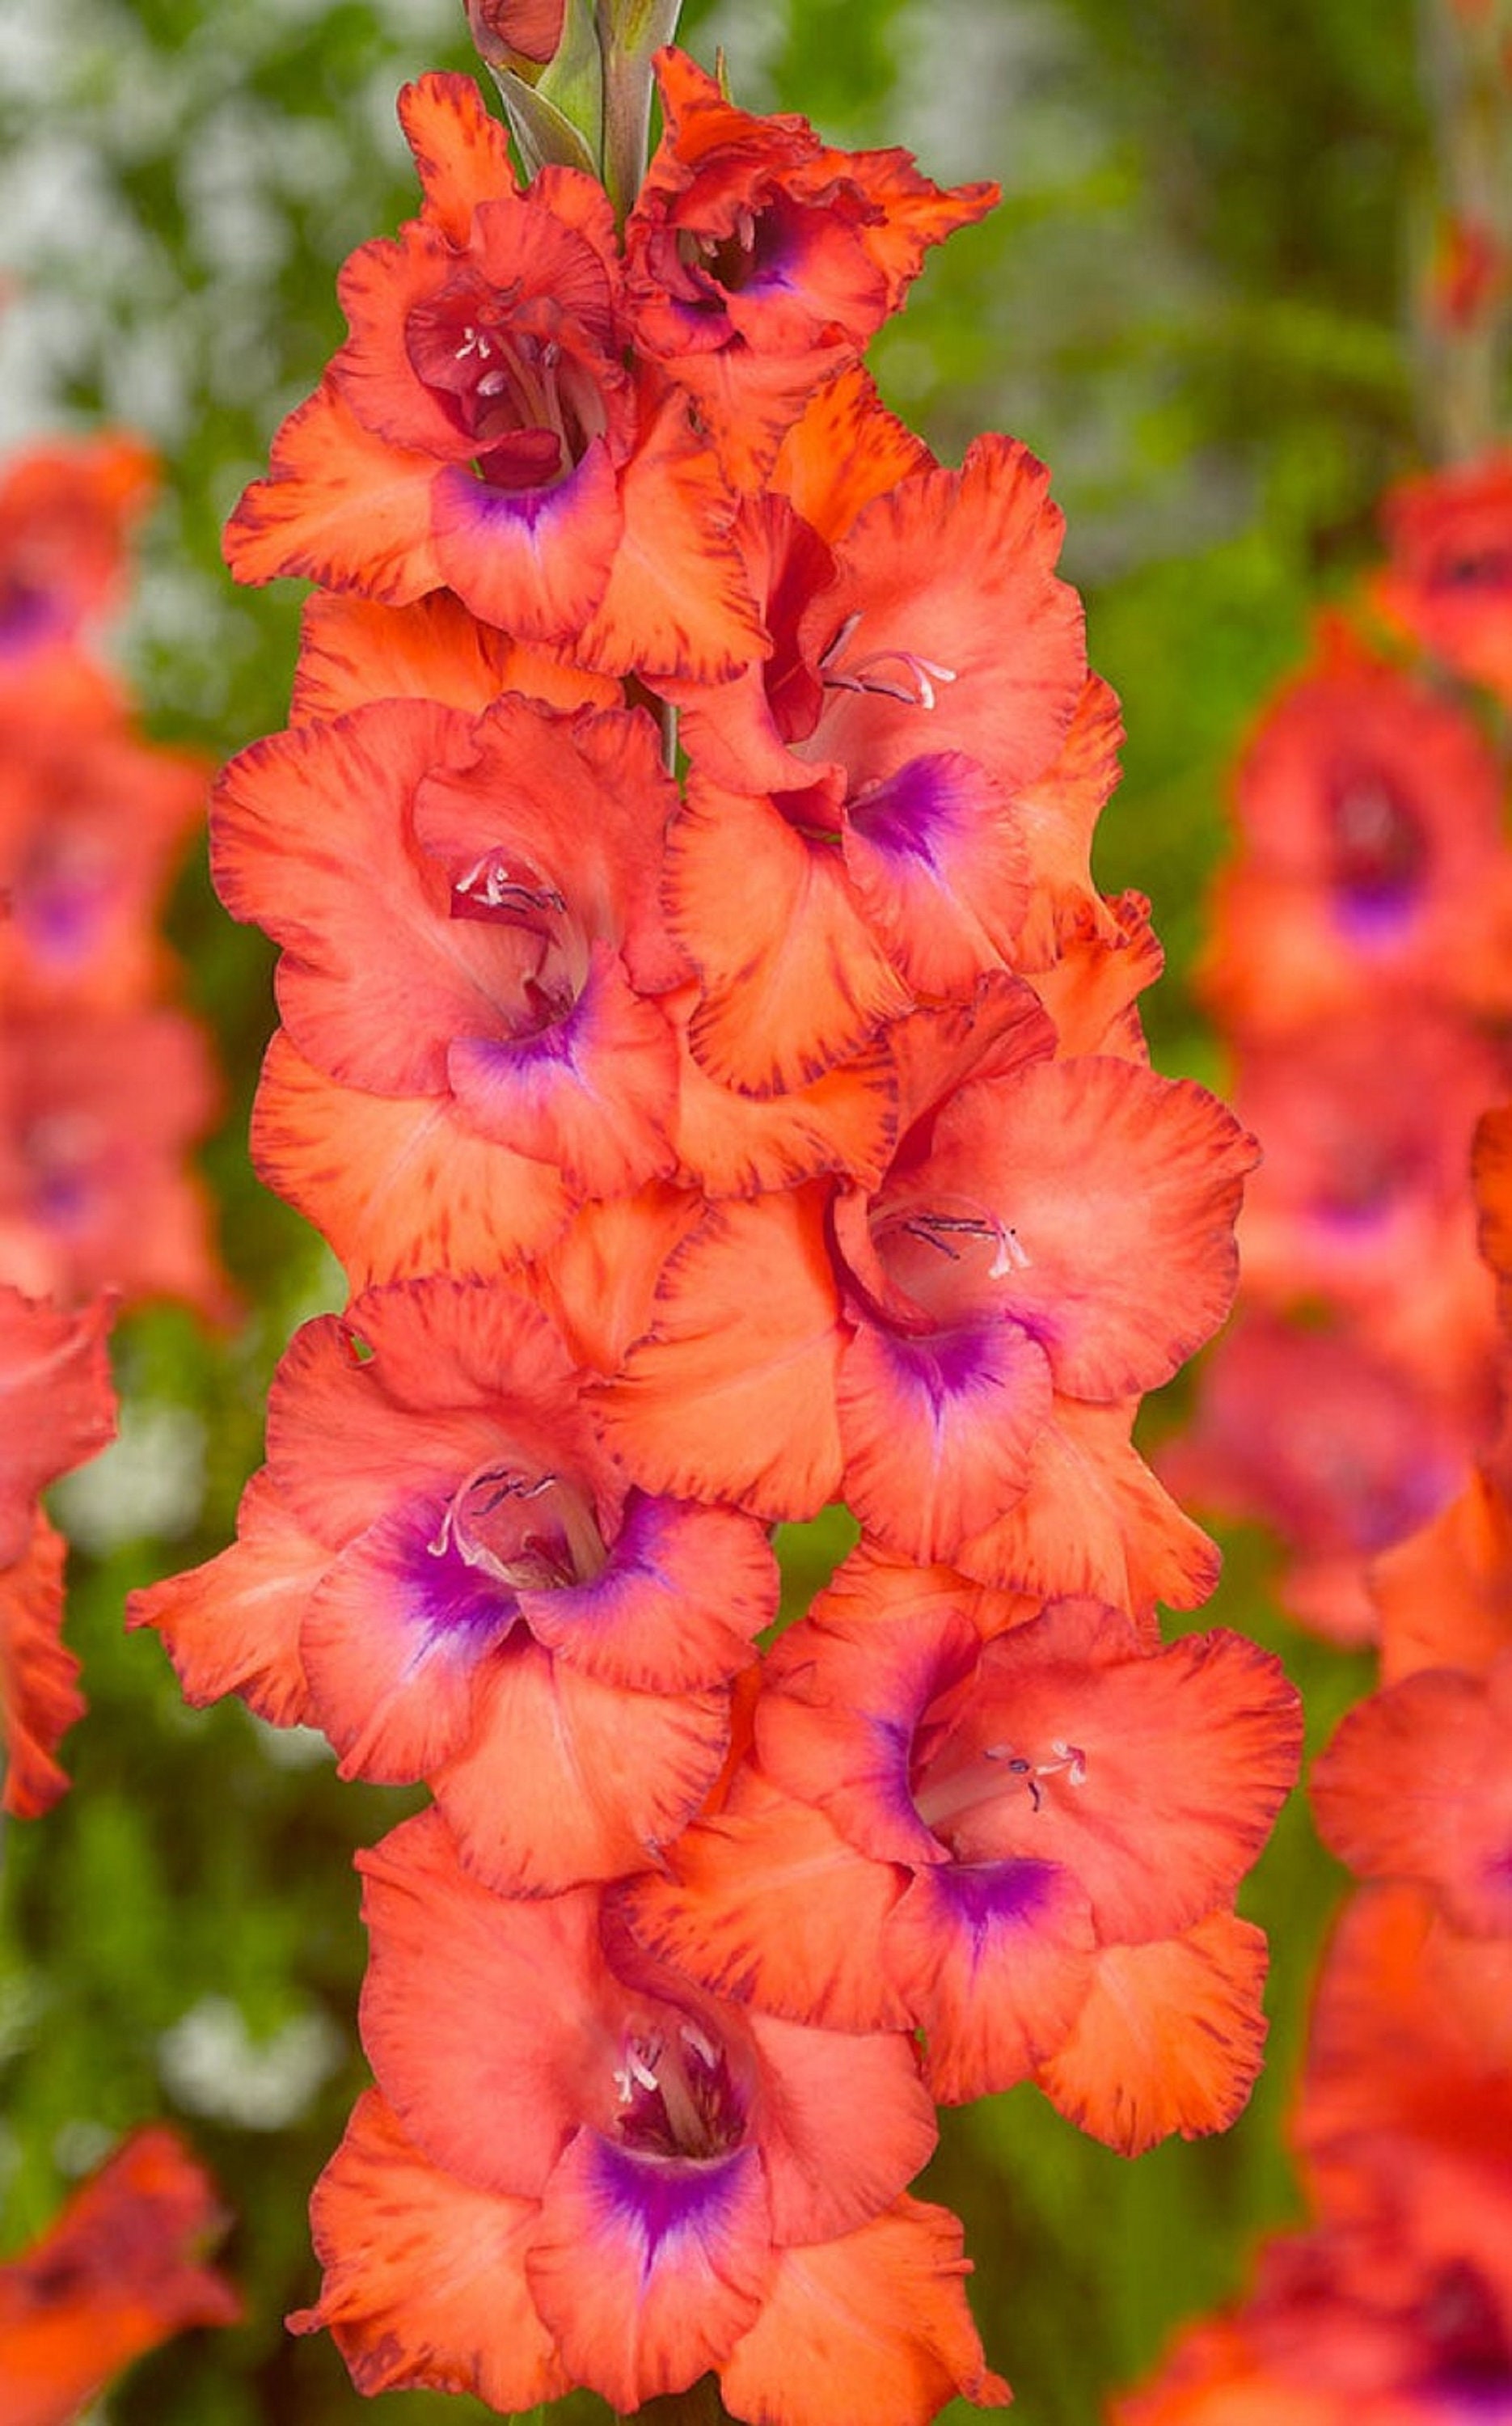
(1012, 1255)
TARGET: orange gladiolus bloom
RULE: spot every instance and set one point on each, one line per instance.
(441, 1569)
(479, 431)
(582, 2169)
(759, 262)
(1025, 1847)
(117, 2274)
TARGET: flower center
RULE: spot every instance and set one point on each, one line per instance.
(531, 1532)
(1379, 846)
(497, 363)
(498, 889)
(959, 1785)
(946, 1256)
(674, 2094)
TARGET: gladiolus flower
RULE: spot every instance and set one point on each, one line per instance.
(468, 1593)
(469, 912)
(659, 2184)
(1449, 582)
(759, 262)
(117, 2274)
(976, 1837)
(480, 431)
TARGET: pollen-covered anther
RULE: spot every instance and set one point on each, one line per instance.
(921, 674)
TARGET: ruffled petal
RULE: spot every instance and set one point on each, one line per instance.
(463, 155)
(734, 1144)
(648, 2270)
(993, 1961)
(398, 1185)
(1094, 1519)
(1169, 2039)
(845, 449)
(311, 840)
(874, 2326)
(767, 1904)
(791, 979)
(565, 1779)
(353, 651)
(494, 2105)
(339, 506)
(730, 1396)
(233, 1625)
(424, 2280)
(677, 601)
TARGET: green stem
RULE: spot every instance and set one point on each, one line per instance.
(630, 32)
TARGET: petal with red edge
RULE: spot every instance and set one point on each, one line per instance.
(732, 1144)
(39, 1699)
(686, 1592)
(1169, 2038)
(565, 1779)
(677, 600)
(495, 2105)
(767, 1904)
(937, 1431)
(993, 1962)
(599, 1281)
(730, 1396)
(339, 506)
(648, 2270)
(353, 651)
(398, 1185)
(424, 2280)
(874, 2326)
(232, 1626)
(1094, 1519)
(592, 1096)
(824, 2177)
(793, 980)
(846, 449)
(463, 155)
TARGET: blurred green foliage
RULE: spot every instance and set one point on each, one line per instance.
(1192, 303)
